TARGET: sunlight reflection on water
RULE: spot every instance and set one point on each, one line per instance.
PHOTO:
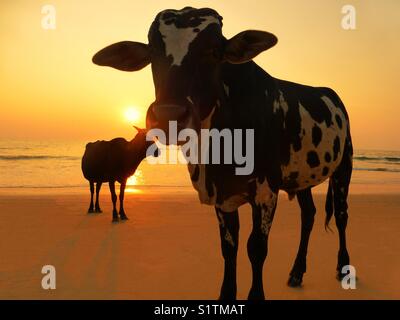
(136, 179)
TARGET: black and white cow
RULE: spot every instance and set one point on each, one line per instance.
(302, 137)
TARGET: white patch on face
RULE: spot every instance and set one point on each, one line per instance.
(177, 40)
(298, 160)
(266, 199)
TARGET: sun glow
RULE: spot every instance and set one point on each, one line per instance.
(132, 114)
(133, 181)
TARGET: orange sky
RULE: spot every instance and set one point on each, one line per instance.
(50, 89)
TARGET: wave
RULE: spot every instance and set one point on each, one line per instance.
(140, 186)
(377, 169)
(36, 157)
(389, 159)
(15, 148)
(42, 187)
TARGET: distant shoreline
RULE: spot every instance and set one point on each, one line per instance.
(54, 167)
(355, 189)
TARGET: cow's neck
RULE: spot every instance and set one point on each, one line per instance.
(229, 110)
(136, 155)
(237, 96)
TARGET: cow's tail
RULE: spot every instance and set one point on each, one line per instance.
(329, 206)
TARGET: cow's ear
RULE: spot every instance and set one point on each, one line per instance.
(125, 56)
(247, 45)
(139, 130)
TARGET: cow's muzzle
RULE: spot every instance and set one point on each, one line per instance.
(172, 116)
(170, 112)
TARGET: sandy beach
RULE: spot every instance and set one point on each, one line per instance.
(169, 249)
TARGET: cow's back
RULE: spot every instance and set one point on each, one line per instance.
(103, 160)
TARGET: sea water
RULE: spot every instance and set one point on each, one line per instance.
(56, 166)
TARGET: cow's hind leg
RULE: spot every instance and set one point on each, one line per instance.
(114, 201)
(308, 210)
(257, 246)
(121, 201)
(91, 206)
(339, 185)
(340, 192)
(97, 205)
(229, 232)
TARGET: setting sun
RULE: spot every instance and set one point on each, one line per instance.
(132, 114)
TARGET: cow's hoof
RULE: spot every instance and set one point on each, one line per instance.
(115, 220)
(256, 295)
(124, 218)
(90, 211)
(98, 210)
(227, 297)
(295, 281)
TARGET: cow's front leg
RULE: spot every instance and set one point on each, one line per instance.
(257, 245)
(121, 201)
(114, 201)
(91, 206)
(97, 205)
(229, 232)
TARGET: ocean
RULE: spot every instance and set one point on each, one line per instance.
(55, 166)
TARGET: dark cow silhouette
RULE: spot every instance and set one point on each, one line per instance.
(302, 135)
(111, 161)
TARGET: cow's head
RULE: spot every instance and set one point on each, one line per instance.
(140, 144)
(186, 50)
